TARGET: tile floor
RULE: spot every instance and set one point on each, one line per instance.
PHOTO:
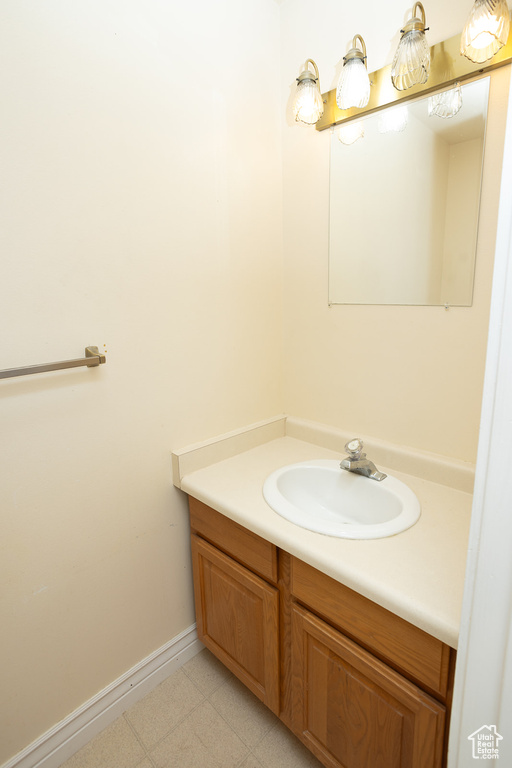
(200, 717)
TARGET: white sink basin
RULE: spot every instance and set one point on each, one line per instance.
(321, 497)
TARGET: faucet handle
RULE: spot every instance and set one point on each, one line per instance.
(354, 448)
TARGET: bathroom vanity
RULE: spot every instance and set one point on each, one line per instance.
(358, 685)
(352, 644)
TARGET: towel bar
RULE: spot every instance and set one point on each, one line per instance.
(92, 358)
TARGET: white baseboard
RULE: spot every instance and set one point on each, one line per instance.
(67, 737)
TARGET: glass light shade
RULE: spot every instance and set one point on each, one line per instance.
(411, 63)
(394, 120)
(353, 86)
(486, 30)
(445, 104)
(351, 132)
(308, 105)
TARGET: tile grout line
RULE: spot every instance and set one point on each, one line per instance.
(208, 697)
(250, 749)
(139, 740)
(168, 733)
(260, 740)
(205, 698)
(146, 757)
(148, 750)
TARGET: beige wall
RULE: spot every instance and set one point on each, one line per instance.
(410, 375)
(140, 210)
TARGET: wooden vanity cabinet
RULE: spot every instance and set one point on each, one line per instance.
(359, 686)
(237, 617)
(237, 611)
(353, 711)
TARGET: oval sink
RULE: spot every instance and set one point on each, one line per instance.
(321, 497)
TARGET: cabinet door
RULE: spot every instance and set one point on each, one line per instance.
(237, 616)
(352, 710)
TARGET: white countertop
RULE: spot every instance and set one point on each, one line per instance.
(417, 574)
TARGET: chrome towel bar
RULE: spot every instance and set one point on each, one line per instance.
(92, 358)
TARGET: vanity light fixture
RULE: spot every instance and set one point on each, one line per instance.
(351, 132)
(308, 105)
(411, 64)
(445, 104)
(354, 84)
(486, 30)
(446, 68)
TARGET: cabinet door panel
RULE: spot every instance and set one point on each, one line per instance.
(352, 710)
(238, 620)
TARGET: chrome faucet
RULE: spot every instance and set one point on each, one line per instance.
(356, 461)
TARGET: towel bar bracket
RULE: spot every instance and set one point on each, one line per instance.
(93, 352)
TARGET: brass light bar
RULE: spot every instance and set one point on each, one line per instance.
(447, 67)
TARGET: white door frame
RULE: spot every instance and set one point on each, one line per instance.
(483, 678)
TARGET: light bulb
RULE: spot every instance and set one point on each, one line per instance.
(486, 30)
(308, 105)
(354, 84)
(411, 63)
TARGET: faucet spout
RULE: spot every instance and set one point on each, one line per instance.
(356, 461)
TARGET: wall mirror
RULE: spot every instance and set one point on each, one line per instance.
(404, 203)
